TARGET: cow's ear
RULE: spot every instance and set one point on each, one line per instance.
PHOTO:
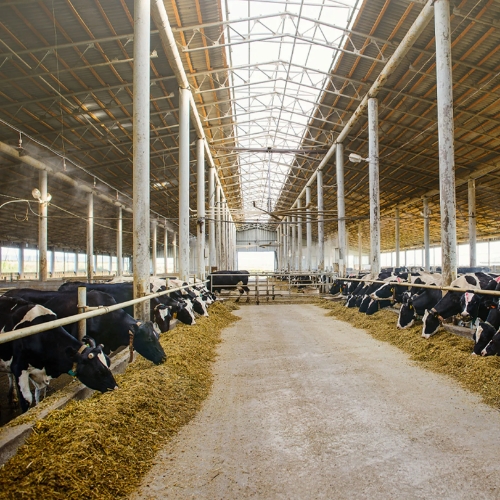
(71, 353)
(135, 327)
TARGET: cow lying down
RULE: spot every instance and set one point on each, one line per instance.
(48, 354)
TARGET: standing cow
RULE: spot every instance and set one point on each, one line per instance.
(229, 280)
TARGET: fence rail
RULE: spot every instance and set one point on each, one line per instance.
(432, 287)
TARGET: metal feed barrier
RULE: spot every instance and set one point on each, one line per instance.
(98, 311)
(282, 286)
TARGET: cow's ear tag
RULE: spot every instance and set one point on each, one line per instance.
(392, 290)
(411, 307)
(174, 315)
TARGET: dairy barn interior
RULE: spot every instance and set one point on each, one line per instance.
(165, 145)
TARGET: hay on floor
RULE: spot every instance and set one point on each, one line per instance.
(100, 448)
(444, 352)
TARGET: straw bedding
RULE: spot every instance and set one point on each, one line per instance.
(100, 448)
(444, 352)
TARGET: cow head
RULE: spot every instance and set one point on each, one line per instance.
(469, 304)
(365, 302)
(493, 347)
(482, 337)
(431, 322)
(186, 313)
(147, 343)
(406, 318)
(351, 301)
(336, 287)
(384, 292)
(91, 368)
(162, 315)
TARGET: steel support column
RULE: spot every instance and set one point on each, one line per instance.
(119, 243)
(218, 226)
(360, 245)
(321, 224)
(184, 184)
(42, 228)
(373, 174)
(427, 237)
(299, 236)
(308, 229)
(341, 209)
(154, 245)
(445, 136)
(165, 249)
(174, 250)
(472, 221)
(287, 243)
(293, 228)
(141, 152)
(211, 208)
(396, 230)
(90, 240)
(200, 206)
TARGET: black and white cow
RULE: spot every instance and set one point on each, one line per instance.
(372, 287)
(492, 348)
(473, 304)
(393, 291)
(486, 330)
(415, 306)
(229, 280)
(113, 330)
(449, 305)
(47, 354)
(188, 294)
(123, 292)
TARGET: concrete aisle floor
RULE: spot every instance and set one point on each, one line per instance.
(307, 407)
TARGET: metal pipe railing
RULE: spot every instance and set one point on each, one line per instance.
(432, 287)
(100, 311)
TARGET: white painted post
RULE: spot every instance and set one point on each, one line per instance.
(184, 184)
(119, 243)
(360, 245)
(341, 209)
(141, 155)
(299, 235)
(90, 241)
(211, 208)
(445, 136)
(174, 248)
(42, 228)
(200, 205)
(218, 226)
(374, 188)
(472, 222)
(165, 249)
(20, 260)
(397, 236)
(154, 245)
(321, 224)
(308, 229)
(427, 238)
(293, 228)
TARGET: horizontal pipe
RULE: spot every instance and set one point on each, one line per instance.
(33, 162)
(99, 311)
(432, 287)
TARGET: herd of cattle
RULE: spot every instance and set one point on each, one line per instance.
(432, 306)
(36, 359)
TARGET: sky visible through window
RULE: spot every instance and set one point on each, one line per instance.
(277, 81)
